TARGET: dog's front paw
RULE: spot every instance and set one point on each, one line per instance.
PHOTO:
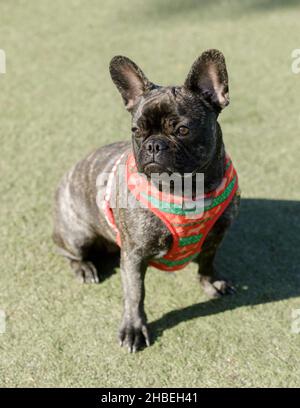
(217, 288)
(134, 334)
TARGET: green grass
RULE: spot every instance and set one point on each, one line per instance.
(57, 104)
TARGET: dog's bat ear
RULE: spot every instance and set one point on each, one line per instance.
(129, 79)
(208, 76)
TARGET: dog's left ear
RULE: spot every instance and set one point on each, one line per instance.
(208, 76)
(129, 79)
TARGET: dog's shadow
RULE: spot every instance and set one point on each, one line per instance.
(260, 254)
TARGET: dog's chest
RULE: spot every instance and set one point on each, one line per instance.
(157, 237)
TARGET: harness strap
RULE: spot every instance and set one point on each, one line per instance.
(108, 212)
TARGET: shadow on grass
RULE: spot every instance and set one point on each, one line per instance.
(106, 262)
(260, 254)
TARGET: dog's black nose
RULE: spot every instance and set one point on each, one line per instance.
(155, 146)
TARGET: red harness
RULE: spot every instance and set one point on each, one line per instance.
(188, 228)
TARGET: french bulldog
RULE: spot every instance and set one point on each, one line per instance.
(174, 129)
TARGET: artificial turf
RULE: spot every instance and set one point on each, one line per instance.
(57, 104)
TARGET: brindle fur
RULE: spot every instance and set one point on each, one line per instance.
(81, 231)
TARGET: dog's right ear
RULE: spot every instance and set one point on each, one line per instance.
(129, 79)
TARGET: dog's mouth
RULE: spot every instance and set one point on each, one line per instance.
(155, 167)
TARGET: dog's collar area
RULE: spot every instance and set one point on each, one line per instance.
(189, 226)
(143, 183)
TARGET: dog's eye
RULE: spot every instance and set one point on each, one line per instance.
(183, 130)
(136, 131)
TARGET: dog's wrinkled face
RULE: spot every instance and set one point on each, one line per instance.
(174, 128)
(172, 131)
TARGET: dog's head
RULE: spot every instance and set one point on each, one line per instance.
(174, 127)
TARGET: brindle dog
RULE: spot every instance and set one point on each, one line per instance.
(174, 129)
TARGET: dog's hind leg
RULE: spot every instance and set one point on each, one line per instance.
(73, 234)
(79, 256)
